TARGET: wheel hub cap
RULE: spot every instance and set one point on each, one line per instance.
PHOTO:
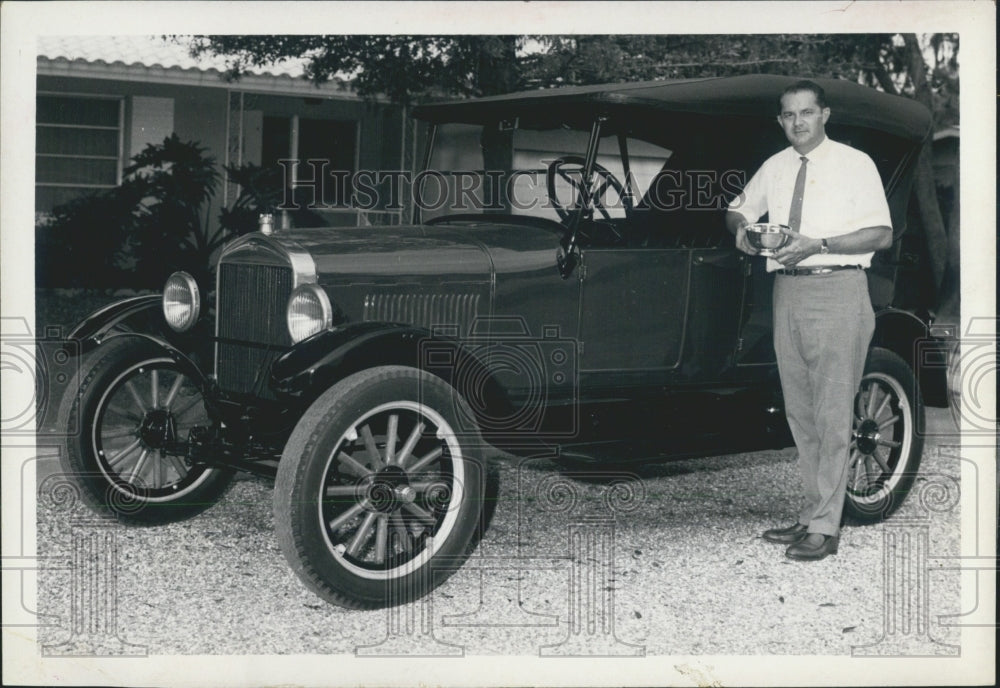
(157, 428)
(390, 490)
(868, 436)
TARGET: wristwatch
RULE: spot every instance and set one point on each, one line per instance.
(823, 247)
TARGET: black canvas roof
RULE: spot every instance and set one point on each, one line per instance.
(753, 96)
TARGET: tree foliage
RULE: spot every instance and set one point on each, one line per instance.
(405, 68)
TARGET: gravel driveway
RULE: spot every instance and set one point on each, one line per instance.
(664, 563)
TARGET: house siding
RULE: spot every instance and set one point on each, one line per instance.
(202, 114)
(152, 121)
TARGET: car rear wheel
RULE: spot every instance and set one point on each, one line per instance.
(380, 489)
(132, 414)
(885, 447)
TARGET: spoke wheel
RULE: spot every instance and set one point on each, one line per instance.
(140, 420)
(885, 448)
(380, 490)
(392, 490)
(133, 415)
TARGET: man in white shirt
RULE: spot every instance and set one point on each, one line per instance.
(831, 197)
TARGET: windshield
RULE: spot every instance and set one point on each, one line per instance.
(667, 188)
(528, 172)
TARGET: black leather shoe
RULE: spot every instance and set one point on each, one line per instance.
(786, 536)
(813, 547)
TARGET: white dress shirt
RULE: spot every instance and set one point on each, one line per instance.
(843, 193)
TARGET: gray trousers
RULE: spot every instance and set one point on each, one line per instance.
(822, 327)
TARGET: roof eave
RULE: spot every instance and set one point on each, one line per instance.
(177, 76)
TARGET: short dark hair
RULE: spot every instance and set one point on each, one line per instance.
(805, 85)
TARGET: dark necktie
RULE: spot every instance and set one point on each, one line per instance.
(795, 213)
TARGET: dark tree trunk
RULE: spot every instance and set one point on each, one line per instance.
(951, 286)
(930, 216)
(496, 68)
(497, 74)
(924, 187)
(498, 158)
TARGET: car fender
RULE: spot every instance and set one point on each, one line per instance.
(316, 363)
(899, 331)
(140, 314)
(92, 330)
(909, 336)
(186, 364)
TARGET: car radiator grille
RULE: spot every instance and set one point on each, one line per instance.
(433, 311)
(251, 312)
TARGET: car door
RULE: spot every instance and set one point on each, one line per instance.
(632, 315)
(658, 316)
(755, 346)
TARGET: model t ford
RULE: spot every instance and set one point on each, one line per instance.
(567, 285)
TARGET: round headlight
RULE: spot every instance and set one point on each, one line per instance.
(309, 312)
(181, 301)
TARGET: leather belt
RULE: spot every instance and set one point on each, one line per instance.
(817, 270)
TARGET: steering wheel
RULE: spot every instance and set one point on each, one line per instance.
(570, 168)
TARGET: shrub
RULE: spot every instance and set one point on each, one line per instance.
(157, 221)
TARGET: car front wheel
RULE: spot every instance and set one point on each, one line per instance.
(132, 415)
(885, 446)
(380, 489)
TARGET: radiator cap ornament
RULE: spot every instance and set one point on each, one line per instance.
(266, 223)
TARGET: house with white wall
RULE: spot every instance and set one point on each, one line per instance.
(102, 99)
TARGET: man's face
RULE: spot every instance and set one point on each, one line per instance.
(803, 120)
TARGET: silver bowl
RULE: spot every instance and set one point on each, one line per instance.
(766, 237)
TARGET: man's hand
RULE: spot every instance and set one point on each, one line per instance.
(737, 225)
(798, 248)
(742, 243)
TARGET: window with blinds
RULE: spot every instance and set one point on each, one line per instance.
(78, 147)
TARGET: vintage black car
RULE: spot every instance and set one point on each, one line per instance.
(567, 287)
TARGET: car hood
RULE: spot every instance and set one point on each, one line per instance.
(473, 250)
